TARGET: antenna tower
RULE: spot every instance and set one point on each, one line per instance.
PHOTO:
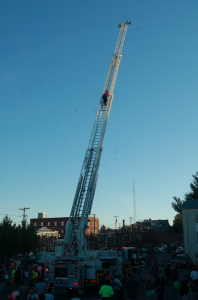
(134, 202)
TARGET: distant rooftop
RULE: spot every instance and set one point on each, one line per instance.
(189, 204)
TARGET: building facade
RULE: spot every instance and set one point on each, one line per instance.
(190, 226)
(58, 224)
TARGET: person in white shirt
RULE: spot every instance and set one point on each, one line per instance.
(194, 276)
(48, 295)
(117, 280)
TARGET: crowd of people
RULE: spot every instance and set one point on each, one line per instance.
(26, 288)
(33, 291)
(156, 283)
(113, 287)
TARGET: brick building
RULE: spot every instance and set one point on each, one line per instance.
(58, 224)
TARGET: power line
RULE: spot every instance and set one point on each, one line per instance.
(9, 215)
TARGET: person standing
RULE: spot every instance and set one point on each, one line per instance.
(2, 278)
(48, 295)
(32, 295)
(115, 287)
(161, 281)
(167, 273)
(131, 285)
(194, 276)
(150, 283)
(22, 290)
(106, 290)
(155, 269)
(120, 292)
(156, 292)
(41, 296)
(40, 287)
(174, 275)
(185, 283)
(18, 277)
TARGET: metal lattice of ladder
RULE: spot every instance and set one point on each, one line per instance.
(82, 204)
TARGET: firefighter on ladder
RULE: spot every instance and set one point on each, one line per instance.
(104, 97)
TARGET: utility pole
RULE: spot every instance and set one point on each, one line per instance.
(116, 221)
(131, 219)
(134, 202)
(24, 215)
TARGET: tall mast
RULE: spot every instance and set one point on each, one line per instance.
(134, 202)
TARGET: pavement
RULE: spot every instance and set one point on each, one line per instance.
(169, 294)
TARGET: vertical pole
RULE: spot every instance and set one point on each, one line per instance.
(116, 221)
(134, 202)
(94, 225)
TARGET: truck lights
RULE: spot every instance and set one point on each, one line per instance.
(75, 283)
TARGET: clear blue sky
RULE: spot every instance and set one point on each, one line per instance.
(54, 59)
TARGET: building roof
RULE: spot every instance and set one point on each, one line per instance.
(190, 204)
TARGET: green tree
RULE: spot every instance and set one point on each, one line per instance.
(193, 195)
(8, 238)
(28, 238)
(178, 224)
(16, 239)
(176, 204)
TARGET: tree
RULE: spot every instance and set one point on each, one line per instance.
(178, 224)
(176, 205)
(16, 239)
(27, 237)
(8, 239)
(193, 195)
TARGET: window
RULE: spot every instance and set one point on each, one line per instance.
(41, 223)
(48, 223)
(197, 238)
(62, 223)
(62, 231)
(34, 223)
(55, 223)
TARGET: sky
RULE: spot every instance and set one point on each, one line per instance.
(54, 58)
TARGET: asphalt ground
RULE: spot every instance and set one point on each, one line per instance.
(170, 294)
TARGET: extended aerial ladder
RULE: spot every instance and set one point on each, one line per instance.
(82, 204)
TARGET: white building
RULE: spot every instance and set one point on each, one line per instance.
(190, 225)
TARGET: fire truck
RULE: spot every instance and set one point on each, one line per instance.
(73, 265)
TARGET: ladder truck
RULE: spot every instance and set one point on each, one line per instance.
(73, 266)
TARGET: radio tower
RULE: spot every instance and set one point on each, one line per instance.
(134, 202)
